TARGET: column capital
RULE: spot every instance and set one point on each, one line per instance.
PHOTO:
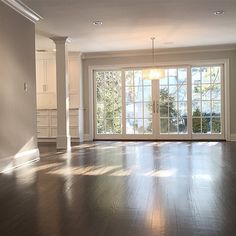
(60, 40)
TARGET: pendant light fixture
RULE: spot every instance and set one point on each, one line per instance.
(153, 73)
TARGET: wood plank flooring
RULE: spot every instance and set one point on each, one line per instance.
(123, 188)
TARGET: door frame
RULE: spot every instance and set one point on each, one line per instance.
(226, 91)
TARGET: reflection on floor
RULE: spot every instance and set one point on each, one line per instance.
(123, 188)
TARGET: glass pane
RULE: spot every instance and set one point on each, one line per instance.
(164, 125)
(183, 109)
(147, 110)
(147, 82)
(182, 93)
(130, 126)
(196, 125)
(138, 78)
(101, 126)
(216, 92)
(109, 126)
(206, 108)
(183, 124)
(172, 72)
(117, 126)
(206, 92)
(216, 108)
(139, 129)
(164, 109)
(109, 102)
(147, 93)
(164, 81)
(138, 94)
(215, 74)
(129, 94)
(130, 110)
(138, 110)
(173, 112)
(173, 125)
(147, 126)
(196, 75)
(216, 125)
(196, 109)
(182, 76)
(173, 93)
(129, 78)
(196, 92)
(206, 75)
(206, 125)
(164, 93)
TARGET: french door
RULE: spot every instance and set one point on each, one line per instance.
(187, 103)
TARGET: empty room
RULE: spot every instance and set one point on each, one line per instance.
(117, 117)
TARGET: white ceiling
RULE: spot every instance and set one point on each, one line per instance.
(129, 24)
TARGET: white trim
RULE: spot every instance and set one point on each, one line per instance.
(20, 159)
(23, 9)
(87, 137)
(224, 62)
(163, 51)
(233, 137)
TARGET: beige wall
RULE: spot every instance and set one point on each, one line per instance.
(17, 107)
(186, 55)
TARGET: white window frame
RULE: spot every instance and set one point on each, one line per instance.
(225, 100)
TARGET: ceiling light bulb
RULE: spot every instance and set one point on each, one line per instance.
(97, 22)
(219, 12)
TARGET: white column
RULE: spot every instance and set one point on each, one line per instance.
(63, 131)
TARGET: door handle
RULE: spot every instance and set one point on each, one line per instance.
(153, 107)
(157, 107)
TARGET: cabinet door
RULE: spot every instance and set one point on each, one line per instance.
(51, 76)
(40, 75)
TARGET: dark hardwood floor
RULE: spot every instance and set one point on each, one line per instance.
(123, 188)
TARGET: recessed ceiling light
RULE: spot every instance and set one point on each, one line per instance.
(219, 12)
(97, 22)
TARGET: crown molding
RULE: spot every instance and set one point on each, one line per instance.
(147, 52)
(23, 9)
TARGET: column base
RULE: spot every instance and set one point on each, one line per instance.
(64, 142)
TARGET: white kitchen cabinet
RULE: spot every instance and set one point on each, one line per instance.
(47, 123)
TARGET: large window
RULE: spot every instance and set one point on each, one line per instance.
(206, 100)
(138, 103)
(109, 102)
(186, 103)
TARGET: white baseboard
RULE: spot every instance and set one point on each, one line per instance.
(19, 159)
(87, 137)
(233, 137)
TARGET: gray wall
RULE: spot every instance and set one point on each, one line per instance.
(187, 55)
(17, 107)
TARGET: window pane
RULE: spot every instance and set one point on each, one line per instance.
(216, 108)
(139, 110)
(138, 94)
(183, 128)
(196, 75)
(196, 125)
(206, 108)
(182, 93)
(130, 110)
(109, 102)
(129, 94)
(147, 126)
(164, 109)
(147, 110)
(206, 92)
(196, 92)
(129, 78)
(130, 126)
(216, 92)
(139, 129)
(215, 74)
(182, 76)
(164, 125)
(206, 75)
(216, 125)
(138, 78)
(147, 93)
(173, 125)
